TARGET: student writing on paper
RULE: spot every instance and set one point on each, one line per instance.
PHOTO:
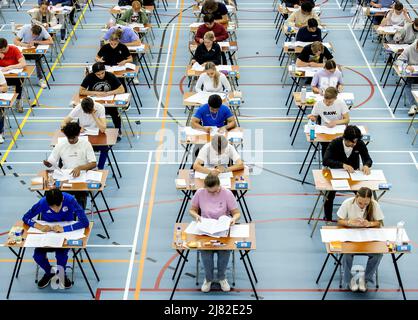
(134, 15)
(90, 115)
(331, 111)
(380, 4)
(101, 83)
(213, 114)
(33, 35)
(345, 153)
(55, 206)
(12, 58)
(114, 53)
(313, 55)
(397, 16)
(75, 154)
(217, 9)
(207, 51)
(299, 18)
(214, 157)
(310, 32)
(128, 36)
(330, 76)
(46, 18)
(3, 88)
(360, 211)
(212, 202)
(212, 80)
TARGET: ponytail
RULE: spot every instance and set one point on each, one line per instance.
(365, 192)
(211, 66)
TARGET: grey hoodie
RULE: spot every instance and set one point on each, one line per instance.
(406, 35)
(410, 55)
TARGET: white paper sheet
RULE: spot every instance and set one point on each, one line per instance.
(181, 183)
(309, 71)
(42, 47)
(122, 96)
(304, 44)
(6, 96)
(212, 226)
(361, 235)
(65, 174)
(235, 135)
(224, 44)
(93, 175)
(52, 240)
(137, 25)
(197, 67)
(115, 68)
(240, 231)
(12, 71)
(90, 132)
(340, 184)
(193, 228)
(224, 67)
(339, 174)
(397, 47)
(202, 97)
(130, 66)
(324, 129)
(375, 175)
(193, 132)
(195, 24)
(104, 98)
(137, 48)
(225, 182)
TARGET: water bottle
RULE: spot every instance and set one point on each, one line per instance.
(403, 70)
(311, 127)
(294, 43)
(51, 181)
(12, 23)
(179, 242)
(293, 66)
(191, 178)
(303, 95)
(399, 232)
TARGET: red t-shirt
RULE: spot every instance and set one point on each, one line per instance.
(11, 57)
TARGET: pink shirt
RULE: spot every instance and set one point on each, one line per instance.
(214, 205)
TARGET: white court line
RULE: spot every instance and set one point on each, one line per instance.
(413, 159)
(138, 224)
(177, 4)
(165, 72)
(371, 71)
(338, 4)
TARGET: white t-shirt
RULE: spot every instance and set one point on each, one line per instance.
(211, 158)
(72, 155)
(86, 120)
(208, 85)
(330, 113)
(2, 79)
(349, 209)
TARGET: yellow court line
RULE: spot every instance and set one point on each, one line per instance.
(16, 135)
(70, 260)
(156, 167)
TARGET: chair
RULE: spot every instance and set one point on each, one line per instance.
(341, 276)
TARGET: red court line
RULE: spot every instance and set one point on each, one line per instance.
(163, 269)
(371, 85)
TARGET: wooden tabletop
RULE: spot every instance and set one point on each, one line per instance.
(108, 103)
(108, 138)
(188, 94)
(205, 137)
(298, 102)
(82, 186)
(33, 51)
(299, 49)
(322, 180)
(408, 75)
(203, 240)
(194, 73)
(122, 74)
(193, 46)
(87, 233)
(324, 137)
(199, 183)
(28, 70)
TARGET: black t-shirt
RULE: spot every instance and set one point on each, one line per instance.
(92, 83)
(112, 56)
(222, 10)
(305, 35)
(202, 54)
(307, 55)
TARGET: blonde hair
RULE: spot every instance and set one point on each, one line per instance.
(211, 66)
(209, 36)
(136, 5)
(116, 35)
(317, 46)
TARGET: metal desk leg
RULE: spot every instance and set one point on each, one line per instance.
(114, 160)
(316, 148)
(19, 256)
(83, 273)
(180, 272)
(314, 208)
(320, 212)
(306, 157)
(333, 274)
(323, 267)
(248, 273)
(99, 214)
(91, 264)
(398, 275)
(107, 206)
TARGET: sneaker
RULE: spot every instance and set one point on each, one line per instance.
(225, 285)
(206, 286)
(67, 283)
(362, 286)
(46, 279)
(19, 107)
(1, 139)
(4, 3)
(412, 110)
(136, 81)
(42, 83)
(354, 284)
(62, 41)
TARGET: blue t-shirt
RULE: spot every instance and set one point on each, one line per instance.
(213, 119)
(128, 34)
(70, 208)
(26, 34)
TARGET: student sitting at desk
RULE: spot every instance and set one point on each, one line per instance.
(210, 25)
(33, 35)
(101, 83)
(397, 16)
(330, 76)
(213, 201)
(90, 115)
(313, 55)
(212, 80)
(55, 206)
(3, 88)
(43, 16)
(380, 4)
(408, 34)
(331, 111)
(213, 114)
(114, 53)
(217, 9)
(214, 157)
(310, 33)
(12, 58)
(410, 57)
(209, 50)
(134, 15)
(300, 18)
(345, 153)
(62, 3)
(128, 36)
(361, 211)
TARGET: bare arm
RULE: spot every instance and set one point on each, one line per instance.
(196, 125)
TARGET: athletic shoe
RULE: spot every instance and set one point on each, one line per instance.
(19, 107)
(206, 286)
(1, 139)
(362, 286)
(136, 81)
(354, 284)
(62, 41)
(412, 110)
(42, 83)
(67, 283)
(225, 285)
(46, 279)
